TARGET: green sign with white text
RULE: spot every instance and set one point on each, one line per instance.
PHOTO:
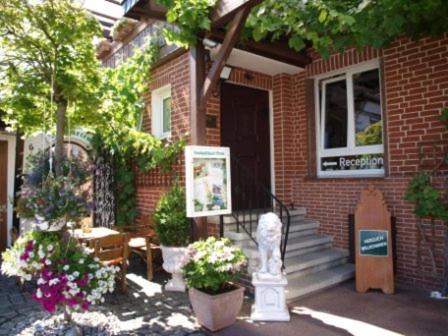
(373, 243)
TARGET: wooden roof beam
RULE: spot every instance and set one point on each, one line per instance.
(274, 50)
(230, 39)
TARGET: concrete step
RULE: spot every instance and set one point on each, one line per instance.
(310, 283)
(308, 243)
(230, 219)
(314, 261)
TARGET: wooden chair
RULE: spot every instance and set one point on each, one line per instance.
(143, 242)
(113, 250)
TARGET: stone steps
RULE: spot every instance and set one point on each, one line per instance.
(311, 263)
(303, 285)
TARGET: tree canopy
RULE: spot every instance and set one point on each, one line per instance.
(44, 42)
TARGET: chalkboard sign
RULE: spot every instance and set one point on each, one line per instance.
(373, 243)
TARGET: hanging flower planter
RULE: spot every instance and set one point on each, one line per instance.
(103, 48)
(122, 28)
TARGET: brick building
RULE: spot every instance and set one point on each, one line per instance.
(317, 135)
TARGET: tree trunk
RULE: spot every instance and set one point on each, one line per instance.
(60, 130)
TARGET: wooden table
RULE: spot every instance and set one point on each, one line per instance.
(97, 232)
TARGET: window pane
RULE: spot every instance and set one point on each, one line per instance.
(166, 115)
(366, 93)
(335, 115)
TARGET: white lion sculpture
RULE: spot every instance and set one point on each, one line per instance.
(269, 234)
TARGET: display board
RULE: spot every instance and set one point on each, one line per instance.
(373, 243)
(207, 180)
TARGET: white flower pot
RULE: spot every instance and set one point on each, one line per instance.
(174, 259)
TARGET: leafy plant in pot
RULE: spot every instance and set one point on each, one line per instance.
(212, 266)
(173, 229)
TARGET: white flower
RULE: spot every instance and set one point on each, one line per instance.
(27, 277)
(50, 247)
(38, 293)
(53, 282)
(66, 268)
(76, 274)
(41, 281)
(70, 278)
(47, 262)
(31, 254)
(41, 254)
(81, 261)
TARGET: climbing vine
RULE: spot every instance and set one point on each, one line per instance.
(190, 17)
(122, 90)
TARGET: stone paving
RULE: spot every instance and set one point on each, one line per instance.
(144, 310)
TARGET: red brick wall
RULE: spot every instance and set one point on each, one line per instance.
(416, 89)
(176, 72)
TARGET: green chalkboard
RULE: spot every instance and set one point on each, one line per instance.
(373, 243)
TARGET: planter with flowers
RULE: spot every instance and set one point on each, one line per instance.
(173, 230)
(211, 268)
(122, 28)
(67, 276)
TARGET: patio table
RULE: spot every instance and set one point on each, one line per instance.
(97, 232)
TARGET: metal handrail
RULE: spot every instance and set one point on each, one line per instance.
(246, 224)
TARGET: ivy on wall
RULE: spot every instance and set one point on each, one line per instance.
(122, 91)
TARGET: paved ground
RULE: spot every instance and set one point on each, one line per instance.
(147, 310)
(342, 311)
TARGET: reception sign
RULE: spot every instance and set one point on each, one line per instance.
(207, 179)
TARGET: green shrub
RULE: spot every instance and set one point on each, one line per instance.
(170, 218)
(212, 264)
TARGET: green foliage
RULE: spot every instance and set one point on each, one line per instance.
(332, 25)
(428, 201)
(372, 135)
(122, 90)
(170, 218)
(190, 16)
(212, 264)
(40, 40)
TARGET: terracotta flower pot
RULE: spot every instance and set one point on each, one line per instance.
(215, 312)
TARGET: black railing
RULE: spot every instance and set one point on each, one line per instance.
(250, 199)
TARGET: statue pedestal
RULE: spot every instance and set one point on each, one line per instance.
(270, 302)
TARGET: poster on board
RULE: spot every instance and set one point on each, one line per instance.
(207, 180)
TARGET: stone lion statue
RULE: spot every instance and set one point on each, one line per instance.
(269, 235)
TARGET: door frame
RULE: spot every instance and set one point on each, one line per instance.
(10, 173)
(271, 128)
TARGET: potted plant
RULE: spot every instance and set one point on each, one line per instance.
(173, 230)
(122, 28)
(211, 268)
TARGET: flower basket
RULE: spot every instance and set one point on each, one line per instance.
(103, 48)
(122, 29)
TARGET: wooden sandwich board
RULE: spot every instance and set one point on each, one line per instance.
(373, 243)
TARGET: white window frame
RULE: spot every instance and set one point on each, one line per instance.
(351, 149)
(157, 98)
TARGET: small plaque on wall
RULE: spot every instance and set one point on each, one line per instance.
(211, 121)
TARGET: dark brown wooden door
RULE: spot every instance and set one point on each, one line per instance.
(3, 193)
(245, 129)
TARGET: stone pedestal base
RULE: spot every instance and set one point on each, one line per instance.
(270, 302)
